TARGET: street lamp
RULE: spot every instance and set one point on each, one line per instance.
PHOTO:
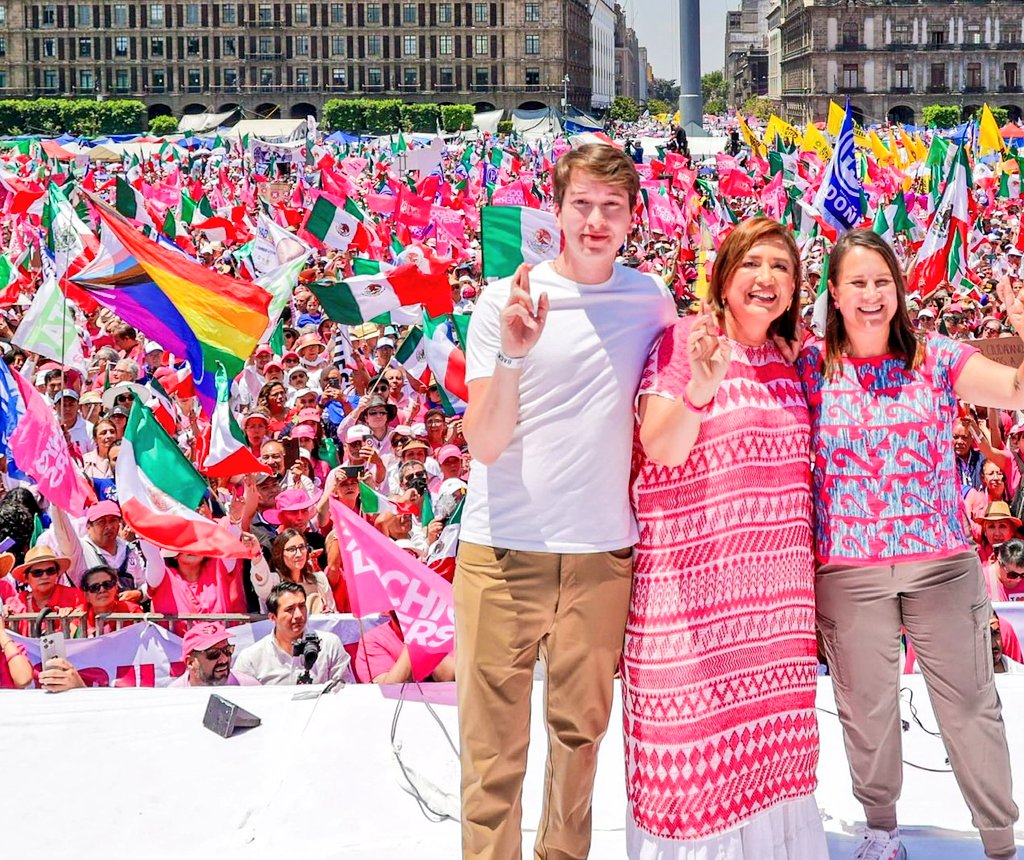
(565, 92)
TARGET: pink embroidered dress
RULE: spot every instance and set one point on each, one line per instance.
(719, 665)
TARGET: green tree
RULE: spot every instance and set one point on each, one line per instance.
(713, 87)
(1002, 115)
(665, 89)
(941, 116)
(657, 106)
(715, 106)
(624, 109)
(164, 124)
(758, 106)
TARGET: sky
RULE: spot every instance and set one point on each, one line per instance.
(657, 26)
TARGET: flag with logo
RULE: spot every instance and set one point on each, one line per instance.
(512, 235)
(228, 453)
(330, 224)
(943, 252)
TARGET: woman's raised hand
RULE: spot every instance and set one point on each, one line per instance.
(709, 353)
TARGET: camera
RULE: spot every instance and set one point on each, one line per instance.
(418, 483)
(308, 648)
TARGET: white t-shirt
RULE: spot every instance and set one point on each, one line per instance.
(267, 663)
(561, 485)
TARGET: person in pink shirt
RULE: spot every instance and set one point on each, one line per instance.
(998, 525)
(15, 667)
(383, 658)
(42, 571)
(206, 652)
(993, 490)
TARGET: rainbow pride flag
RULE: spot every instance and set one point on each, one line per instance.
(191, 311)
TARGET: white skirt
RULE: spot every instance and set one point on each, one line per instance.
(788, 831)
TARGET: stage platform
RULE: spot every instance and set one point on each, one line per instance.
(132, 773)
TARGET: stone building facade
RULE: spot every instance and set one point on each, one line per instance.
(892, 58)
(287, 58)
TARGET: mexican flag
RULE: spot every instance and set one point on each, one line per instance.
(413, 357)
(229, 452)
(511, 235)
(131, 203)
(447, 361)
(361, 298)
(943, 253)
(373, 502)
(893, 219)
(159, 491)
(333, 226)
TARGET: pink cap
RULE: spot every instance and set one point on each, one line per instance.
(263, 349)
(105, 508)
(446, 452)
(303, 431)
(203, 635)
(310, 414)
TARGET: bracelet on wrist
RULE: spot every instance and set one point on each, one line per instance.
(509, 362)
(693, 407)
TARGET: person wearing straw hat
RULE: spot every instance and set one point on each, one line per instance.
(41, 572)
(998, 525)
(15, 667)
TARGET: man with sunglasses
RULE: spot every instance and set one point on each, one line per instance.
(206, 652)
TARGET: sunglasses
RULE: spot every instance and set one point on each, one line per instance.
(414, 476)
(376, 412)
(40, 572)
(217, 653)
(97, 587)
(1014, 574)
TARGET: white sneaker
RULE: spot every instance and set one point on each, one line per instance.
(880, 845)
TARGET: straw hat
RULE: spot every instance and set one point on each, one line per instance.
(998, 512)
(37, 555)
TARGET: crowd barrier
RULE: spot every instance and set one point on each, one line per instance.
(147, 653)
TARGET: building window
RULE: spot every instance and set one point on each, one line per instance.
(159, 79)
(228, 46)
(533, 77)
(936, 37)
(937, 75)
(337, 13)
(373, 13)
(3, 46)
(481, 46)
(265, 14)
(533, 44)
(337, 77)
(337, 46)
(302, 46)
(374, 77)
(480, 15)
(373, 46)
(85, 81)
(83, 15)
(300, 13)
(49, 17)
(231, 78)
(445, 45)
(192, 46)
(1010, 80)
(195, 80)
(50, 79)
(3, 80)
(192, 14)
(973, 36)
(410, 77)
(121, 46)
(974, 76)
(482, 77)
(409, 15)
(302, 78)
(901, 34)
(228, 13)
(120, 15)
(121, 83)
(266, 77)
(50, 47)
(851, 34)
(444, 13)
(533, 13)
(446, 76)
(3, 13)
(85, 47)
(266, 46)
(409, 46)
(156, 15)
(156, 47)
(902, 79)
(851, 76)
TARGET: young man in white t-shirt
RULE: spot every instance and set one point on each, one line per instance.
(544, 569)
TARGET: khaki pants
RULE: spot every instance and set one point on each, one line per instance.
(511, 608)
(945, 608)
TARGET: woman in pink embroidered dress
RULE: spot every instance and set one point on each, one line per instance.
(719, 666)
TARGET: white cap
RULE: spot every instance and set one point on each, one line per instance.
(357, 432)
(385, 341)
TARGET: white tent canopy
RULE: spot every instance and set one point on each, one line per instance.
(270, 130)
(199, 123)
(488, 121)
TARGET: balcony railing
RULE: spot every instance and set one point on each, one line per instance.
(850, 90)
(937, 88)
(1010, 88)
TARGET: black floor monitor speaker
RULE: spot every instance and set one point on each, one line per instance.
(225, 718)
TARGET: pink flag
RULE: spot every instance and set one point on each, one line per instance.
(41, 451)
(381, 577)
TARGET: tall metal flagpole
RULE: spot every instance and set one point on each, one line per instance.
(691, 102)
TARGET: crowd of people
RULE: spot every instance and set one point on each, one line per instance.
(816, 460)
